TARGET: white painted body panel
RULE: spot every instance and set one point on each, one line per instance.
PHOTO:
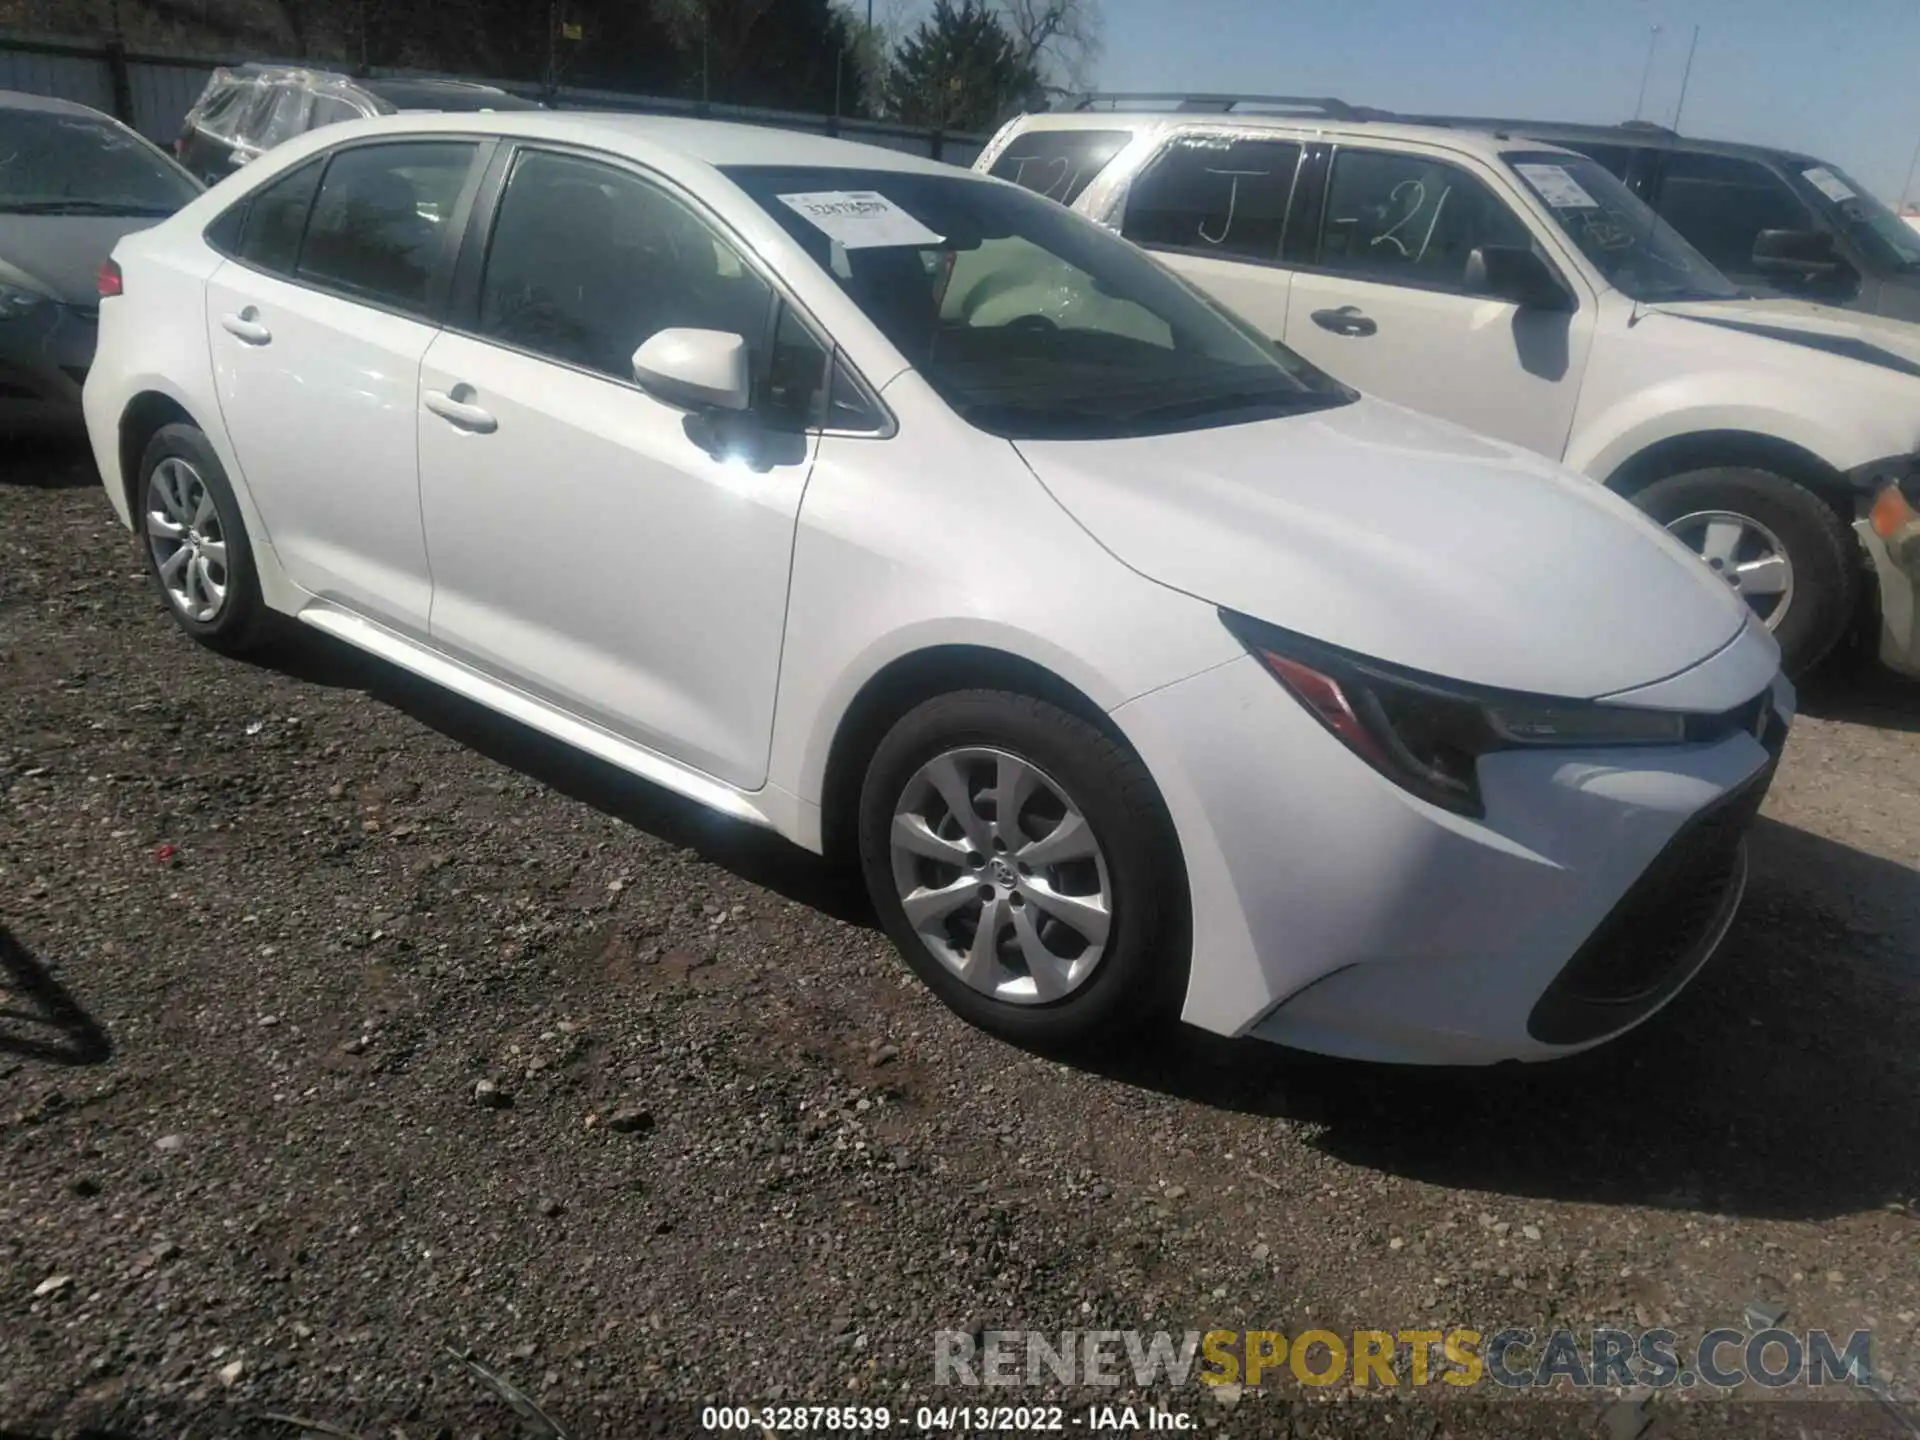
(591, 573)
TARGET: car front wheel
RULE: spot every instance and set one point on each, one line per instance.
(1023, 862)
(1779, 546)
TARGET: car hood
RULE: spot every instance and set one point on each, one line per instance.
(62, 254)
(1404, 538)
(1853, 334)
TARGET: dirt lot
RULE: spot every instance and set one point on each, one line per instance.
(265, 928)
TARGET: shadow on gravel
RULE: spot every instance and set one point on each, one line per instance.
(39, 1020)
(755, 855)
(48, 462)
(1782, 1083)
(1858, 690)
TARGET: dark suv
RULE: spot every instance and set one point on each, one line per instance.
(1773, 220)
(250, 108)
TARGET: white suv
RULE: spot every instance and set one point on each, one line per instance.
(1522, 291)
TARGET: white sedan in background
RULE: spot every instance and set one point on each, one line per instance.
(1142, 666)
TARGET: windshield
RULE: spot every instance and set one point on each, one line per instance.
(1027, 319)
(68, 164)
(1637, 252)
(1867, 221)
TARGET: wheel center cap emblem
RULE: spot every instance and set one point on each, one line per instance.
(1003, 874)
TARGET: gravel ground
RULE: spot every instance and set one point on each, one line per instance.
(341, 1022)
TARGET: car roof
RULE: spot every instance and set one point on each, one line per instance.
(406, 91)
(1144, 121)
(1468, 130)
(46, 104)
(712, 142)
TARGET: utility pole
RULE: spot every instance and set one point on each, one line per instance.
(1653, 43)
(1906, 190)
(1685, 76)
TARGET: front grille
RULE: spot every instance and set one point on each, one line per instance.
(1647, 946)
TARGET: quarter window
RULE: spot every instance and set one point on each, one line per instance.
(275, 218)
(1721, 205)
(1215, 197)
(1059, 164)
(588, 261)
(379, 224)
(1403, 219)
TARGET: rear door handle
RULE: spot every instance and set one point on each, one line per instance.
(246, 327)
(1347, 320)
(461, 414)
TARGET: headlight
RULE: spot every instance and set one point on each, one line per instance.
(17, 300)
(1427, 735)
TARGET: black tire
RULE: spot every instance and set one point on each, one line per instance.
(243, 621)
(1142, 975)
(1823, 554)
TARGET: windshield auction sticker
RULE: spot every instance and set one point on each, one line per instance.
(859, 219)
(1555, 186)
(1829, 184)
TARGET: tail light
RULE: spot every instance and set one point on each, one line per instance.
(109, 282)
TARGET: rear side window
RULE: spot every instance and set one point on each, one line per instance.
(379, 223)
(1058, 164)
(1721, 204)
(1215, 197)
(1404, 219)
(276, 216)
(587, 261)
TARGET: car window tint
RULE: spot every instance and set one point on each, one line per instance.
(796, 388)
(1405, 219)
(588, 261)
(379, 222)
(276, 216)
(1721, 204)
(1215, 196)
(1058, 164)
(1617, 158)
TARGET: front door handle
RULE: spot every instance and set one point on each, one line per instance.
(462, 414)
(1347, 320)
(246, 327)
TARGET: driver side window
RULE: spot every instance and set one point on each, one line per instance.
(587, 261)
(1404, 219)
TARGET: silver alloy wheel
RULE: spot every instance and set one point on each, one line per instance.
(189, 547)
(1001, 876)
(1745, 554)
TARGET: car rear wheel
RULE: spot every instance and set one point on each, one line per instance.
(1023, 862)
(195, 542)
(1779, 546)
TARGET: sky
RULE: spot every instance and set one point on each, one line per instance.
(1837, 78)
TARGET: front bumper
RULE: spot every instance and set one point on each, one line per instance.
(44, 358)
(1334, 912)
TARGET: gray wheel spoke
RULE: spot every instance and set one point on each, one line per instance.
(175, 564)
(911, 832)
(925, 906)
(1014, 782)
(1071, 839)
(982, 957)
(1769, 575)
(161, 528)
(166, 478)
(1086, 914)
(204, 511)
(214, 552)
(1721, 541)
(211, 591)
(1049, 971)
(944, 773)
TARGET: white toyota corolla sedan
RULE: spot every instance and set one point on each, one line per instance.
(1144, 667)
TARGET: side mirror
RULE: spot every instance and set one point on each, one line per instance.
(1808, 254)
(695, 369)
(1516, 274)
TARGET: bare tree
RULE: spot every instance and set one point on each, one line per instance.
(1060, 39)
